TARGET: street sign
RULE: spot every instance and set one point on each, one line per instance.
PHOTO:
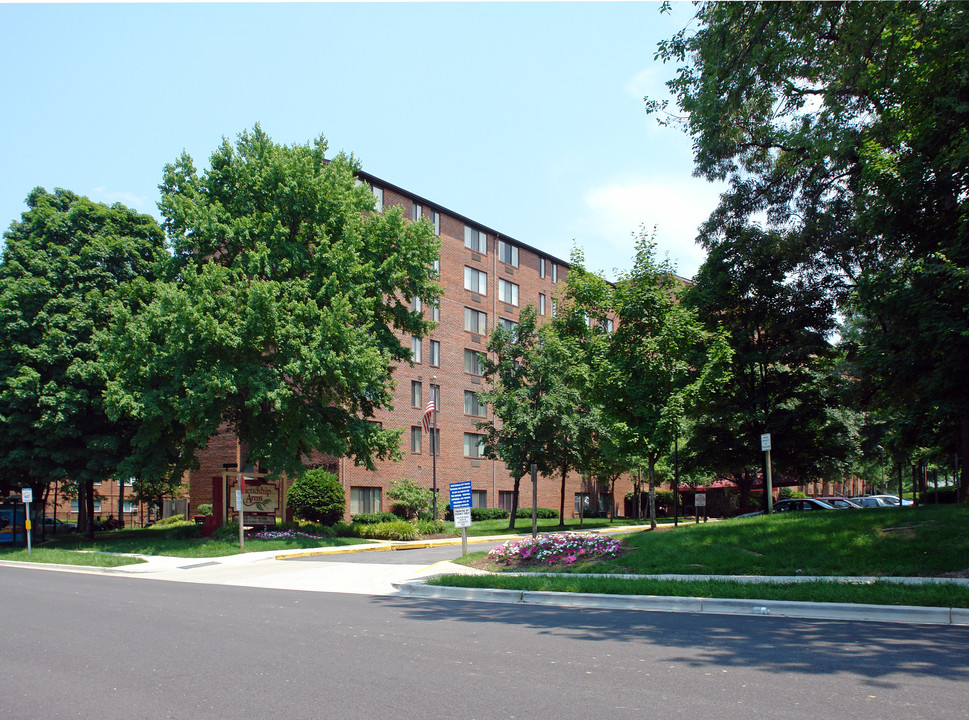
(462, 517)
(460, 495)
(28, 495)
(765, 442)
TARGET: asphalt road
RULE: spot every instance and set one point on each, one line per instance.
(110, 648)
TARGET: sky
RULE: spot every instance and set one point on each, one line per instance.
(526, 117)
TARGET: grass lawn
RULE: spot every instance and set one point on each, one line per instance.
(923, 542)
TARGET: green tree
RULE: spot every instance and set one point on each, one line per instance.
(67, 265)
(659, 362)
(409, 499)
(282, 317)
(844, 126)
(317, 496)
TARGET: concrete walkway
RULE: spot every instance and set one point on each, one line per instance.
(276, 570)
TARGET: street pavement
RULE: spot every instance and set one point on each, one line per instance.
(402, 568)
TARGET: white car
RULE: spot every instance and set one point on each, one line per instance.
(876, 501)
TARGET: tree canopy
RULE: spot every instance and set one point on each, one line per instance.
(67, 266)
(844, 128)
(282, 315)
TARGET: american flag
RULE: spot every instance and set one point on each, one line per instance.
(426, 421)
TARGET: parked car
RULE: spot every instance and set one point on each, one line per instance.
(877, 501)
(840, 503)
(54, 525)
(801, 504)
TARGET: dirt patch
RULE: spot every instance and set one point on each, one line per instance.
(955, 574)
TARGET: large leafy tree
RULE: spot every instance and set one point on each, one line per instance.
(68, 264)
(659, 361)
(283, 315)
(844, 125)
(784, 377)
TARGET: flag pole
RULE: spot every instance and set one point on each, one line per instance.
(434, 455)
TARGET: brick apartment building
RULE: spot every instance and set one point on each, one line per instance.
(486, 279)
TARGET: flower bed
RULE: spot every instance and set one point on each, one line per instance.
(285, 535)
(562, 549)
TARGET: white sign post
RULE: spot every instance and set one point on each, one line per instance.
(28, 497)
(765, 447)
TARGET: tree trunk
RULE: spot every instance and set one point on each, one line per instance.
(652, 493)
(963, 479)
(89, 510)
(121, 503)
(565, 471)
(514, 504)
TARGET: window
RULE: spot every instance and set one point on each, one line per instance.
(472, 362)
(378, 196)
(130, 482)
(435, 358)
(130, 507)
(435, 436)
(475, 321)
(511, 326)
(436, 218)
(436, 267)
(555, 307)
(541, 267)
(415, 438)
(415, 394)
(436, 396)
(581, 500)
(505, 499)
(507, 253)
(541, 303)
(475, 240)
(436, 311)
(475, 281)
(473, 445)
(364, 500)
(508, 292)
(479, 498)
(416, 305)
(473, 406)
(555, 273)
(609, 326)
(417, 213)
(97, 506)
(415, 349)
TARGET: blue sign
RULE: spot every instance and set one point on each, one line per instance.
(460, 495)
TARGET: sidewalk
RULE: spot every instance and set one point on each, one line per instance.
(276, 570)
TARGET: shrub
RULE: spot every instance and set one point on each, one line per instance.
(204, 509)
(172, 520)
(409, 499)
(228, 531)
(317, 496)
(786, 493)
(542, 513)
(374, 518)
(429, 527)
(398, 530)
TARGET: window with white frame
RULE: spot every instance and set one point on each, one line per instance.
(475, 321)
(97, 506)
(436, 310)
(130, 482)
(473, 362)
(508, 292)
(474, 444)
(415, 394)
(378, 196)
(609, 326)
(436, 218)
(508, 253)
(364, 500)
(475, 240)
(473, 406)
(415, 349)
(130, 506)
(555, 307)
(435, 358)
(436, 267)
(417, 213)
(475, 280)
(541, 267)
(511, 326)
(541, 303)
(555, 273)
(416, 304)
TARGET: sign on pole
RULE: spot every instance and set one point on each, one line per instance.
(701, 500)
(460, 494)
(765, 442)
(765, 447)
(27, 494)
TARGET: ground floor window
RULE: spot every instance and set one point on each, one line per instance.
(505, 499)
(581, 501)
(97, 506)
(364, 500)
(479, 498)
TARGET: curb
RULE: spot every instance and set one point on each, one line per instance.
(715, 606)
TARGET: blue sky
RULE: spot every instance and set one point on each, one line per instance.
(527, 117)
